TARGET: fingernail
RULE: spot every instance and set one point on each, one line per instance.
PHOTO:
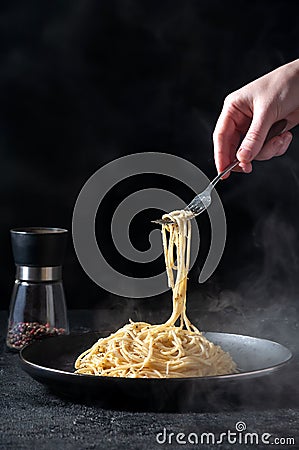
(244, 154)
(281, 141)
(287, 138)
(246, 168)
(278, 143)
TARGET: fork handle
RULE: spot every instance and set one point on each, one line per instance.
(277, 128)
(225, 171)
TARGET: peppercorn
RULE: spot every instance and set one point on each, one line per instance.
(22, 333)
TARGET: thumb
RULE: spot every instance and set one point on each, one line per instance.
(254, 140)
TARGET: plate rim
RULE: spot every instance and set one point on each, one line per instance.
(26, 364)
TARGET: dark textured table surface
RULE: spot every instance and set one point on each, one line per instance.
(34, 418)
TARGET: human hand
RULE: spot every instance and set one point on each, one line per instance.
(249, 113)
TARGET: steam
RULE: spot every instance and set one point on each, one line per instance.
(263, 299)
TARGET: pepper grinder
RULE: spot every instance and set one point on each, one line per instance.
(37, 307)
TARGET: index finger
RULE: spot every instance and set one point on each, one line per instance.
(226, 139)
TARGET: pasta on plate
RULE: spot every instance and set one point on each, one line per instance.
(173, 349)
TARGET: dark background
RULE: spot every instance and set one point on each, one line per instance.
(85, 82)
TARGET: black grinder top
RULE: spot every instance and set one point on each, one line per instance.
(38, 246)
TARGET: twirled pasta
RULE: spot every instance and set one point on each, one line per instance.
(142, 350)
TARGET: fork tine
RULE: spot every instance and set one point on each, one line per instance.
(162, 221)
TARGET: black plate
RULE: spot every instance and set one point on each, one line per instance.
(51, 362)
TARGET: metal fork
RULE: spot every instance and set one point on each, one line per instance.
(203, 200)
